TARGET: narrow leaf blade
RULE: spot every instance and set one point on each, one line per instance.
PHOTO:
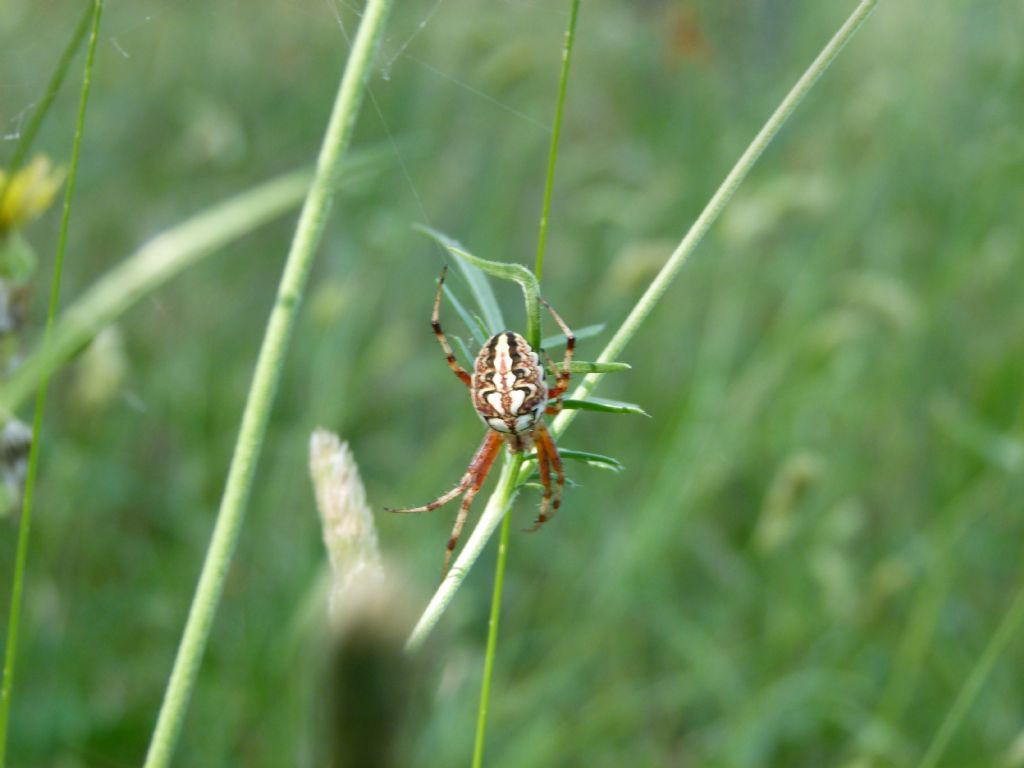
(468, 356)
(474, 267)
(604, 406)
(475, 278)
(583, 366)
(593, 459)
(470, 321)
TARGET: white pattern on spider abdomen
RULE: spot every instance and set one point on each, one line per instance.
(509, 391)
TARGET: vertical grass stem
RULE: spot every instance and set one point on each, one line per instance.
(25, 522)
(534, 336)
(264, 385)
(556, 133)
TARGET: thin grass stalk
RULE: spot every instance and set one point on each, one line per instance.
(972, 686)
(494, 512)
(715, 207)
(25, 521)
(28, 136)
(264, 384)
(492, 644)
(499, 501)
(556, 133)
(534, 339)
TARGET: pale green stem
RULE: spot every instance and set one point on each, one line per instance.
(556, 132)
(28, 136)
(500, 500)
(1006, 631)
(264, 384)
(25, 522)
(153, 264)
(485, 528)
(714, 207)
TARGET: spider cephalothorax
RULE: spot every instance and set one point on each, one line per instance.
(510, 393)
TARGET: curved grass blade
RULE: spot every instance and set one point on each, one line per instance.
(472, 322)
(517, 273)
(604, 406)
(474, 275)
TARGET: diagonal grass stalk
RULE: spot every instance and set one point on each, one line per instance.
(533, 336)
(508, 485)
(972, 686)
(25, 522)
(269, 365)
(153, 264)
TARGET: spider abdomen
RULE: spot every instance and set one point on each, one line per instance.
(509, 391)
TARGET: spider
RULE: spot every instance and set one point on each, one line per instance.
(510, 393)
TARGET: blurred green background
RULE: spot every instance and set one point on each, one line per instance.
(818, 530)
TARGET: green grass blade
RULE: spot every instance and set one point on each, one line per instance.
(593, 459)
(25, 522)
(603, 405)
(584, 366)
(269, 366)
(479, 286)
(467, 355)
(492, 643)
(470, 321)
(517, 273)
(717, 203)
(556, 133)
(968, 694)
(533, 337)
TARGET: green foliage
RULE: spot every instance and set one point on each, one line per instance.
(603, 404)
(813, 539)
(583, 366)
(474, 268)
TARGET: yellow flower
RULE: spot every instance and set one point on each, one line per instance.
(28, 193)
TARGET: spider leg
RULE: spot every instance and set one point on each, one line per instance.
(478, 470)
(547, 449)
(435, 323)
(544, 466)
(562, 379)
(556, 406)
(467, 479)
(556, 462)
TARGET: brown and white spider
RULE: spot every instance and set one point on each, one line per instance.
(510, 393)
